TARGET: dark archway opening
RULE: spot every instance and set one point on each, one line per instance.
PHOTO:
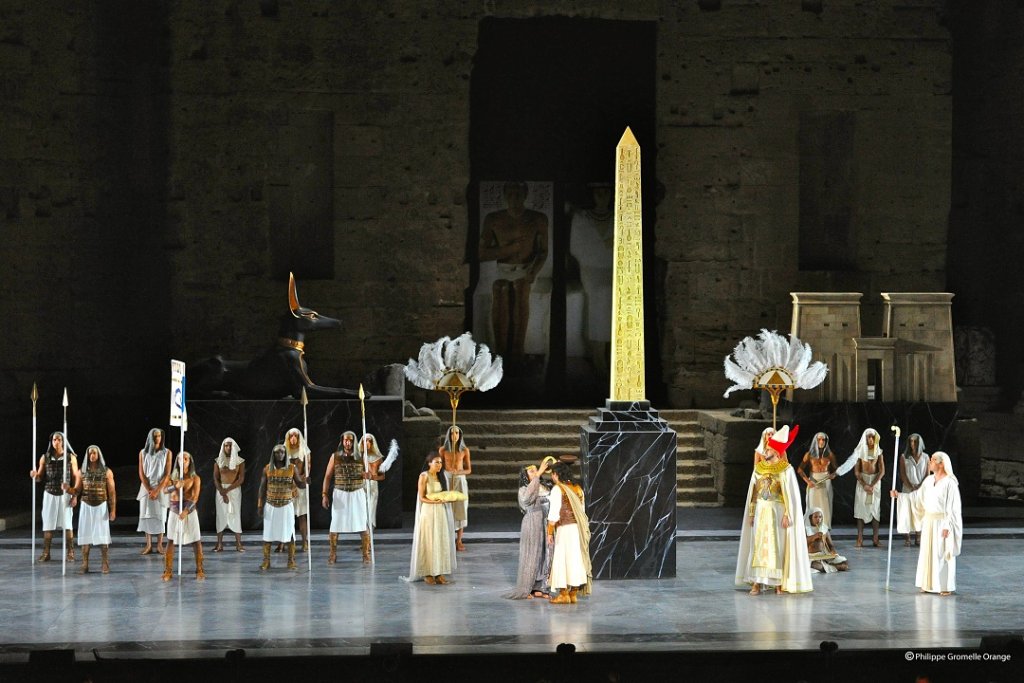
(550, 98)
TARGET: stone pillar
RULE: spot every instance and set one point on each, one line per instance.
(828, 321)
(923, 323)
(629, 487)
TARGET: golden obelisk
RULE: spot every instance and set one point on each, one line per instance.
(627, 362)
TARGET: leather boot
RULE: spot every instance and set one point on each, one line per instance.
(266, 557)
(200, 574)
(168, 562)
(47, 542)
(291, 555)
(71, 546)
(333, 556)
(105, 568)
(562, 598)
(572, 595)
(85, 560)
(365, 545)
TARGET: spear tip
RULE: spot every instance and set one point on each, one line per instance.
(35, 392)
(305, 398)
(362, 394)
(65, 397)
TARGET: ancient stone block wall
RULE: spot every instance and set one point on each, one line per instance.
(734, 85)
(146, 145)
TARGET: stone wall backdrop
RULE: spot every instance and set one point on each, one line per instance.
(164, 165)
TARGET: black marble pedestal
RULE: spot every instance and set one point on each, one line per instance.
(629, 484)
(258, 426)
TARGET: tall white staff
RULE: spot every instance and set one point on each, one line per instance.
(35, 397)
(63, 494)
(309, 505)
(892, 502)
(366, 468)
(179, 419)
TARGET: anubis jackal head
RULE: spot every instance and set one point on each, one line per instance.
(304, 319)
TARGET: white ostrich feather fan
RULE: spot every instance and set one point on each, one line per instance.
(462, 358)
(754, 356)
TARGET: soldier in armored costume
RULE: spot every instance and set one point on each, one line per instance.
(281, 479)
(58, 493)
(346, 475)
(99, 507)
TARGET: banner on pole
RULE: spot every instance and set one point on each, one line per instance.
(178, 416)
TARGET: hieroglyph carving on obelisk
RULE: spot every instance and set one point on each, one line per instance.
(627, 362)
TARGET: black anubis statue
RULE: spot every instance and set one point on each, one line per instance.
(280, 371)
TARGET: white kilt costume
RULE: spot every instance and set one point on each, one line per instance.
(229, 514)
(348, 511)
(93, 524)
(52, 512)
(278, 523)
(183, 532)
(460, 508)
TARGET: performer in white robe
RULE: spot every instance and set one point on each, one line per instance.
(183, 519)
(568, 530)
(773, 545)
(457, 466)
(913, 467)
(374, 458)
(298, 454)
(154, 470)
(937, 505)
(98, 509)
(820, 549)
(277, 487)
(818, 469)
(868, 466)
(228, 477)
(433, 534)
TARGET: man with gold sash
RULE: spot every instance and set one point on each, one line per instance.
(569, 531)
(344, 494)
(773, 545)
(281, 479)
(183, 520)
(99, 507)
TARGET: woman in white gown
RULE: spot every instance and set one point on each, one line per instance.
(433, 536)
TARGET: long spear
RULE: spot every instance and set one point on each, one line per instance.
(63, 494)
(892, 501)
(181, 473)
(35, 397)
(309, 498)
(366, 468)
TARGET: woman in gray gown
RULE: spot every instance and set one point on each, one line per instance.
(534, 554)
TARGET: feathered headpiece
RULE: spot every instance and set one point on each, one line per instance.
(455, 366)
(458, 362)
(754, 358)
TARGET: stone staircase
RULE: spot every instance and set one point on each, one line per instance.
(501, 441)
